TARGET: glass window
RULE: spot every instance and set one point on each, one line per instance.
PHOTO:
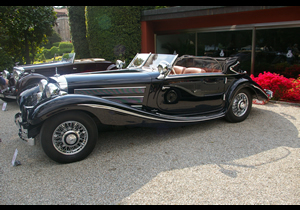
(226, 44)
(181, 44)
(276, 49)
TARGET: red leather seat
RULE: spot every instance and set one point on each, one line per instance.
(193, 71)
(184, 70)
(178, 69)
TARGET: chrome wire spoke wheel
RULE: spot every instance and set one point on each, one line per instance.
(240, 104)
(70, 137)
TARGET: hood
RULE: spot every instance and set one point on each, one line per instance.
(41, 65)
(115, 78)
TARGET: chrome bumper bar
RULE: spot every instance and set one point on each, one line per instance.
(23, 133)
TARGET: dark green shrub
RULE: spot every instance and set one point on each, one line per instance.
(78, 31)
(64, 50)
(40, 57)
(53, 50)
(114, 32)
(47, 53)
(64, 45)
(56, 44)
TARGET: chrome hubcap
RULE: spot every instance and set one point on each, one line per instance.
(70, 137)
(240, 104)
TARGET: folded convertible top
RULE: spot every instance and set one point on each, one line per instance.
(218, 63)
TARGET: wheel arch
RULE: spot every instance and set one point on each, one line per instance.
(63, 104)
(243, 84)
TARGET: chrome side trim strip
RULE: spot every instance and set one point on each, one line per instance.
(126, 99)
(110, 91)
(211, 74)
(260, 90)
(184, 119)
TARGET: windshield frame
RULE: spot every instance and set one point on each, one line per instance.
(68, 60)
(132, 66)
(146, 63)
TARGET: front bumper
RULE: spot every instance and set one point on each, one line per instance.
(8, 92)
(269, 93)
(23, 130)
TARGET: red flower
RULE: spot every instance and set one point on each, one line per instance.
(282, 87)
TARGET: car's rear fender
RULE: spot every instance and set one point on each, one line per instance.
(256, 91)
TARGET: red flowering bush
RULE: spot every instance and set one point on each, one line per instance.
(282, 87)
(293, 94)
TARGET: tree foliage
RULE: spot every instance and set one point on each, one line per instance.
(23, 29)
(114, 32)
(78, 31)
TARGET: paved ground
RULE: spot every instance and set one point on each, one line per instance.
(253, 162)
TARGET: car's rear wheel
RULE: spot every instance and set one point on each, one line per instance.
(240, 106)
(69, 137)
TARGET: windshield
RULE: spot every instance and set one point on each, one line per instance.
(150, 61)
(68, 57)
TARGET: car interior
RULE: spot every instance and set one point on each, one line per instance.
(195, 66)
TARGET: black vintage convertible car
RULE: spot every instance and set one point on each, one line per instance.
(66, 65)
(154, 89)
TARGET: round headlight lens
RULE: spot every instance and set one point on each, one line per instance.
(51, 89)
(42, 85)
(163, 67)
(5, 74)
(16, 75)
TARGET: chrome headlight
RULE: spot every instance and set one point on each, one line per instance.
(62, 82)
(42, 85)
(163, 67)
(16, 75)
(51, 89)
(5, 74)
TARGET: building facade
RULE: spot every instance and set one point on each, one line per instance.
(62, 26)
(261, 36)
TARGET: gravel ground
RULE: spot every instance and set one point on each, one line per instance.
(253, 162)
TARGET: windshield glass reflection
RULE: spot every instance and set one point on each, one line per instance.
(150, 61)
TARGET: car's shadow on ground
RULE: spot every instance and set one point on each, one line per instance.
(144, 153)
(124, 160)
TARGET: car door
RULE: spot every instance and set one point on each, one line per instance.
(192, 93)
(67, 68)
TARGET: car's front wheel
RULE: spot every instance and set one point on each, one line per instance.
(240, 106)
(69, 137)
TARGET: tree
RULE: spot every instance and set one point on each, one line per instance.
(78, 31)
(23, 29)
(114, 32)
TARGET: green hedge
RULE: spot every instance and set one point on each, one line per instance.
(114, 32)
(63, 47)
(56, 44)
(78, 31)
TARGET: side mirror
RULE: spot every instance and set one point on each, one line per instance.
(120, 64)
(164, 69)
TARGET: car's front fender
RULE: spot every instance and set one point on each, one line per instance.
(106, 112)
(28, 81)
(59, 104)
